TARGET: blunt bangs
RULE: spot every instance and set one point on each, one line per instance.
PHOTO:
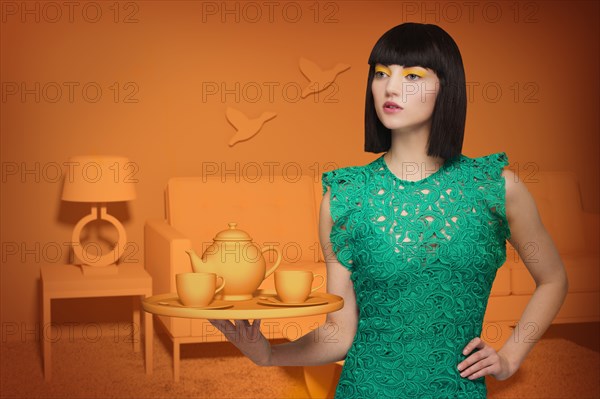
(407, 46)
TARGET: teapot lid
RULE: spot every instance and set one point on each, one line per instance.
(232, 234)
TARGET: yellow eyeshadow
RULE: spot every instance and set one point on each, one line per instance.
(415, 71)
(381, 68)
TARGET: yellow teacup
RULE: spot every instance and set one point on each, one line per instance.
(197, 289)
(294, 286)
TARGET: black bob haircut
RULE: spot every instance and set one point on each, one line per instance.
(428, 46)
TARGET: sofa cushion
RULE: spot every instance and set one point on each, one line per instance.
(583, 274)
(559, 204)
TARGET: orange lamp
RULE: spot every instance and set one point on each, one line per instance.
(98, 180)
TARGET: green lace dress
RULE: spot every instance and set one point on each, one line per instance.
(423, 256)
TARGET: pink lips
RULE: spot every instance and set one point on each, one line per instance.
(391, 107)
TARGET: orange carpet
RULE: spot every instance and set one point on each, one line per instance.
(564, 364)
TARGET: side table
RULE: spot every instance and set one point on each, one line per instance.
(68, 281)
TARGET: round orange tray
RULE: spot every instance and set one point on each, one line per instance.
(255, 308)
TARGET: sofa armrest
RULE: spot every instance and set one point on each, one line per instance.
(591, 225)
(165, 255)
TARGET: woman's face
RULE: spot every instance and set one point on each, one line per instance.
(404, 97)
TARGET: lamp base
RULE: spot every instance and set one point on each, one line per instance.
(80, 252)
(99, 271)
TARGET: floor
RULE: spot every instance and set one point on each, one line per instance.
(564, 364)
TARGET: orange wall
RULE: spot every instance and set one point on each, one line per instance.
(154, 61)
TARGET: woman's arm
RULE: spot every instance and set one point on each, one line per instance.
(546, 268)
(330, 341)
(550, 277)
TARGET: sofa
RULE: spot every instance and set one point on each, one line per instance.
(283, 212)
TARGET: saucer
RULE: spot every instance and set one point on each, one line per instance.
(274, 301)
(215, 304)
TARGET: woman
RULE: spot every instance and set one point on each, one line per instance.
(413, 241)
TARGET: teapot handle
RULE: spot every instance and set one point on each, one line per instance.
(277, 262)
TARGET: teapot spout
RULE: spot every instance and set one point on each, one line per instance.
(197, 264)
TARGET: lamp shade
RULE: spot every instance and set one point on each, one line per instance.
(99, 178)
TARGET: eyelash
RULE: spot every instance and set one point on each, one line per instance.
(409, 74)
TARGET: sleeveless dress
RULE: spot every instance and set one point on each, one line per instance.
(423, 256)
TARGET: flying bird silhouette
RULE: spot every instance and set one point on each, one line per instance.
(319, 79)
(246, 128)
